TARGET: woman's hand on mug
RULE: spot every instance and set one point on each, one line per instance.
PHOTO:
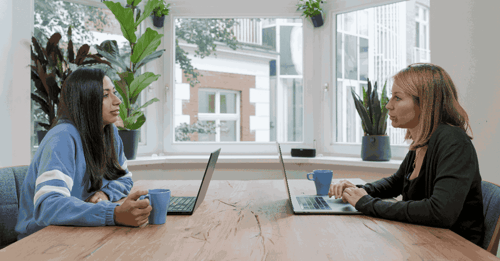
(133, 212)
(338, 188)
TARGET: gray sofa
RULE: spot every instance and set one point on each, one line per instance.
(11, 180)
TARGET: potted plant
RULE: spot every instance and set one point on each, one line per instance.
(312, 8)
(375, 144)
(130, 81)
(159, 14)
(50, 68)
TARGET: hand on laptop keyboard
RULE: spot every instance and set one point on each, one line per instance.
(337, 189)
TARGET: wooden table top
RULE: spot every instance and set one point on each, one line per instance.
(247, 220)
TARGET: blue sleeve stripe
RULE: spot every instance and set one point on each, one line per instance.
(53, 182)
(48, 189)
(55, 174)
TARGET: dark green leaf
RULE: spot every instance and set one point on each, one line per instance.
(365, 119)
(148, 103)
(375, 108)
(125, 17)
(43, 104)
(71, 52)
(146, 45)
(140, 83)
(123, 112)
(110, 51)
(368, 102)
(149, 58)
(148, 8)
(140, 121)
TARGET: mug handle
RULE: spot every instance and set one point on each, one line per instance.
(144, 196)
(309, 177)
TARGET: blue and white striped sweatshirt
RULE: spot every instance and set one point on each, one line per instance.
(53, 192)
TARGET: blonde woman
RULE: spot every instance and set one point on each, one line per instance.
(439, 178)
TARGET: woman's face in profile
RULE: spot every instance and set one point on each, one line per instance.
(110, 102)
(403, 111)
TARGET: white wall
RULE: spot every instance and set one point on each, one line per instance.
(15, 81)
(464, 40)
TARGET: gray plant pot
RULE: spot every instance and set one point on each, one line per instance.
(376, 148)
(130, 139)
(317, 20)
(158, 21)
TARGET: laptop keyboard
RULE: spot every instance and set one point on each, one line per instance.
(313, 203)
(180, 204)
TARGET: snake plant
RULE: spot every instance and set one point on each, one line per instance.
(372, 109)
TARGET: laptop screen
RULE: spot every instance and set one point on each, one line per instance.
(206, 178)
(284, 172)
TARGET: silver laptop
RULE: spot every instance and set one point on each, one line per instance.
(313, 204)
(187, 205)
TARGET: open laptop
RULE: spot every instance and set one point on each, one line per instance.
(313, 204)
(187, 205)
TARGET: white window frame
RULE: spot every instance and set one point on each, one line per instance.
(423, 23)
(218, 116)
(332, 147)
(200, 9)
(148, 144)
(318, 91)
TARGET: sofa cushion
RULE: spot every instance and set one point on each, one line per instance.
(11, 180)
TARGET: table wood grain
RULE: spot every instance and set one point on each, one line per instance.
(247, 220)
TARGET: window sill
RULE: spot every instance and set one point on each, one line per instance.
(343, 161)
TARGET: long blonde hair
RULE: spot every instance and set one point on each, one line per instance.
(434, 92)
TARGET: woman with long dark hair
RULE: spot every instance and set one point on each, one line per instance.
(439, 178)
(79, 168)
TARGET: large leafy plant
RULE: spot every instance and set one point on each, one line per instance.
(50, 68)
(131, 81)
(372, 109)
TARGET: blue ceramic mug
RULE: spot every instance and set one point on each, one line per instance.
(322, 179)
(159, 200)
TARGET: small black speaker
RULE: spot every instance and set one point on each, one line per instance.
(311, 153)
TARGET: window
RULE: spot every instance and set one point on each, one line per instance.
(220, 110)
(421, 52)
(92, 23)
(370, 44)
(247, 90)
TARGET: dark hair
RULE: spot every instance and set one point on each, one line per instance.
(434, 92)
(81, 104)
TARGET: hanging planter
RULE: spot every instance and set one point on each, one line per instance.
(158, 21)
(159, 13)
(317, 20)
(312, 8)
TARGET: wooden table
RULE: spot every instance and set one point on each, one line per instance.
(247, 220)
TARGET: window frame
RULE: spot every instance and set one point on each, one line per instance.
(170, 147)
(316, 44)
(333, 147)
(147, 145)
(217, 116)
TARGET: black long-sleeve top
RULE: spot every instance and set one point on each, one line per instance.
(446, 193)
